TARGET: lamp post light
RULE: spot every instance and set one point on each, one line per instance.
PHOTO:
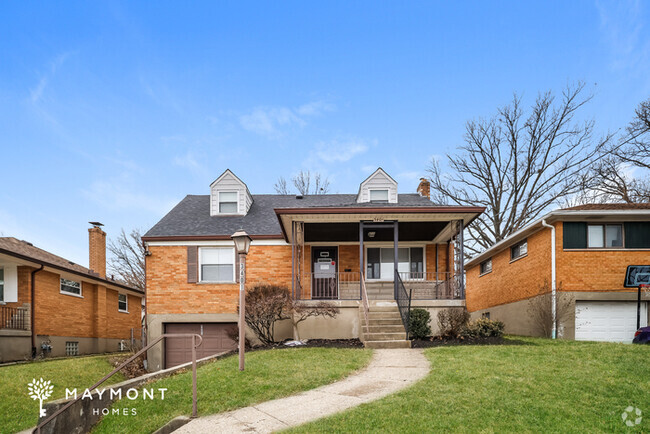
(242, 244)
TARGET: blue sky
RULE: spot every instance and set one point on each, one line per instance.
(114, 111)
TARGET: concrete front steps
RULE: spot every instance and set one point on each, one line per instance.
(384, 328)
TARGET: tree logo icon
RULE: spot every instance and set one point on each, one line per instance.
(632, 416)
(40, 390)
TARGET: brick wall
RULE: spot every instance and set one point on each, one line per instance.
(511, 281)
(94, 315)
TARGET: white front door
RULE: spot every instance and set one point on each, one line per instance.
(608, 321)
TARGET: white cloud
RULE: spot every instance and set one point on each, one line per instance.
(623, 28)
(36, 93)
(190, 162)
(340, 150)
(272, 121)
(119, 194)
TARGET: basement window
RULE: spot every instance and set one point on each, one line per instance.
(122, 303)
(486, 266)
(70, 287)
(72, 348)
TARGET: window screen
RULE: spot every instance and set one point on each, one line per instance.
(614, 236)
(217, 265)
(228, 202)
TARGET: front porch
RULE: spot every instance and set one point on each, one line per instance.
(335, 261)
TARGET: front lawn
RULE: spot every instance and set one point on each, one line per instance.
(18, 411)
(269, 375)
(538, 386)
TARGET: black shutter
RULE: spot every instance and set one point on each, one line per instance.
(192, 264)
(637, 235)
(575, 235)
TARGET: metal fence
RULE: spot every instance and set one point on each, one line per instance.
(403, 299)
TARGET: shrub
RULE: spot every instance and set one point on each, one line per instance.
(419, 327)
(452, 322)
(266, 304)
(484, 328)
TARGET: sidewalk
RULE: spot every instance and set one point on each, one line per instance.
(388, 372)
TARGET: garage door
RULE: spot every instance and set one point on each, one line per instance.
(608, 321)
(215, 340)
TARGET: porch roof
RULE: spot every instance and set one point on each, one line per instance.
(191, 220)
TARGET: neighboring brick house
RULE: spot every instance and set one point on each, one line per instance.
(310, 244)
(594, 245)
(48, 300)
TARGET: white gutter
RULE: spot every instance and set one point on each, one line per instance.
(553, 280)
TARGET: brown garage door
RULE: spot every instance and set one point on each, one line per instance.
(215, 340)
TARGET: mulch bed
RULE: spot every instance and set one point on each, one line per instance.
(448, 342)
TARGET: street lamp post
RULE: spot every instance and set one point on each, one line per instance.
(242, 244)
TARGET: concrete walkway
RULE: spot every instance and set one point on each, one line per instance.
(387, 372)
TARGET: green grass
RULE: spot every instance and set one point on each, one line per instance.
(18, 411)
(539, 386)
(221, 386)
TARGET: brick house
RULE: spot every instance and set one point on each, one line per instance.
(594, 245)
(321, 247)
(48, 300)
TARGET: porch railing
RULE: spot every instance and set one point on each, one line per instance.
(14, 318)
(403, 299)
(364, 299)
(345, 285)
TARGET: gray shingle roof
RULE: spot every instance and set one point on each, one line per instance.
(191, 217)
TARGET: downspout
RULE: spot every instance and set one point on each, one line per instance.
(553, 281)
(32, 310)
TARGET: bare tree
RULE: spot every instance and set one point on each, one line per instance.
(126, 260)
(299, 312)
(540, 310)
(303, 183)
(623, 174)
(518, 164)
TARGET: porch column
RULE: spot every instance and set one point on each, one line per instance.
(361, 261)
(461, 250)
(395, 259)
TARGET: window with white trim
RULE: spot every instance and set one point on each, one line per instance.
(2, 284)
(486, 266)
(122, 303)
(72, 348)
(217, 264)
(70, 287)
(518, 250)
(379, 196)
(228, 201)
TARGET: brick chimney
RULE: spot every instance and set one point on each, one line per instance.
(424, 188)
(97, 249)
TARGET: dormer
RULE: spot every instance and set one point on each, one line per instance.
(378, 188)
(229, 195)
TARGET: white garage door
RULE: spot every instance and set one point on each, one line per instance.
(608, 321)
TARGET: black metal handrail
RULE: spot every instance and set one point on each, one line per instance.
(403, 300)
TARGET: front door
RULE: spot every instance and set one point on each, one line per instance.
(324, 282)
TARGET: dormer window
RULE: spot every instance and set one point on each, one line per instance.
(379, 196)
(228, 201)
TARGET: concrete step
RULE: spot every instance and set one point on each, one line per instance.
(383, 315)
(384, 329)
(384, 336)
(384, 322)
(384, 309)
(388, 344)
